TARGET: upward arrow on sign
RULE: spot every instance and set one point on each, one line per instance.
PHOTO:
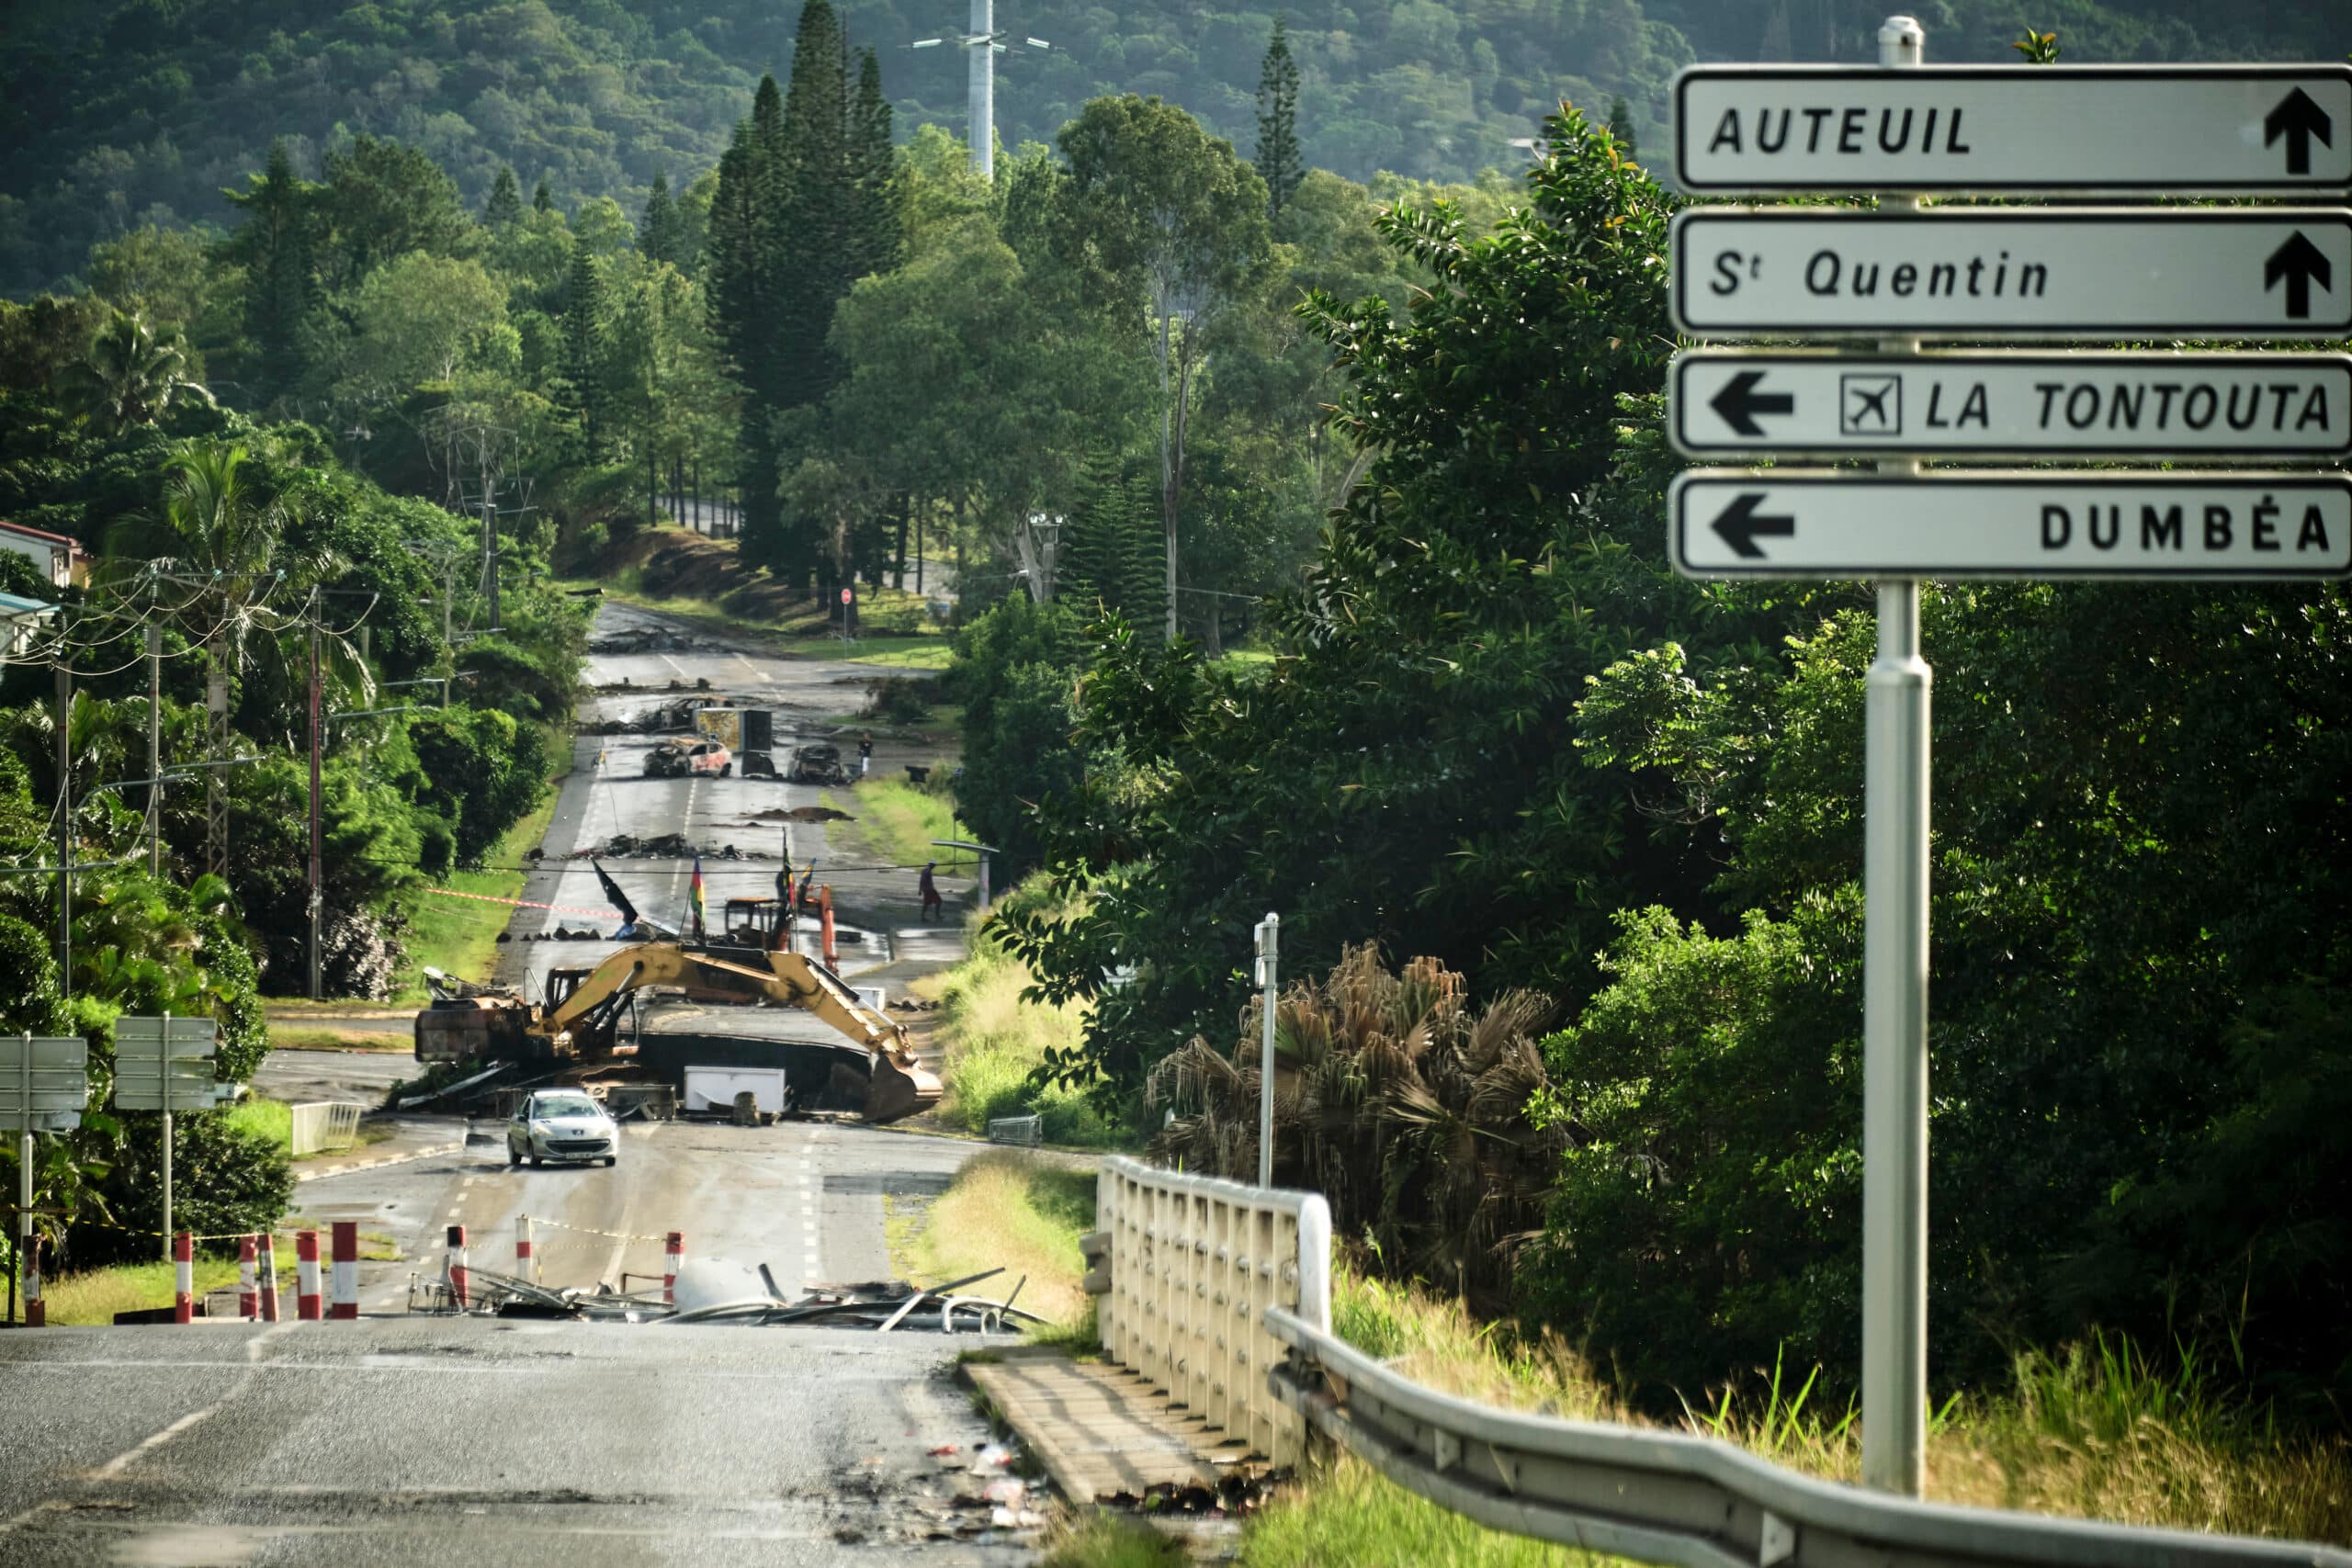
(2299, 118)
(2299, 262)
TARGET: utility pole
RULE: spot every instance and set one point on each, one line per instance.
(317, 880)
(1269, 939)
(66, 828)
(155, 749)
(216, 788)
(490, 556)
(980, 88)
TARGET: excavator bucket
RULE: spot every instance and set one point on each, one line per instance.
(895, 1091)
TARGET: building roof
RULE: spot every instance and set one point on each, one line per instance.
(6, 527)
(14, 607)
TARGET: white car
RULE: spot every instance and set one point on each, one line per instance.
(561, 1123)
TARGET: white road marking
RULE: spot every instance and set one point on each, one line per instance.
(115, 1466)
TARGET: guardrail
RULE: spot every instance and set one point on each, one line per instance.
(1690, 1501)
(325, 1125)
(1191, 1271)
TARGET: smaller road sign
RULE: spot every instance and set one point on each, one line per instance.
(161, 1069)
(1738, 402)
(42, 1079)
(2020, 272)
(1792, 523)
(2174, 129)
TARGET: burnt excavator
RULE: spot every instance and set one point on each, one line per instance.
(578, 1022)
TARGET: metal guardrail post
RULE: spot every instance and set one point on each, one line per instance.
(1670, 1498)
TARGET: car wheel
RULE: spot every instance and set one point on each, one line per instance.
(536, 1162)
(513, 1157)
(611, 1160)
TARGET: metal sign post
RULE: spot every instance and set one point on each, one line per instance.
(44, 1089)
(177, 1051)
(1269, 931)
(1894, 988)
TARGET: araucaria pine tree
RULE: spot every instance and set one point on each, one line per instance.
(273, 244)
(660, 237)
(505, 208)
(1279, 162)
(796, 218)
(542, 199)
(587, 398)
(877, 231)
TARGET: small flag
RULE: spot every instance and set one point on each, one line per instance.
(695, 894)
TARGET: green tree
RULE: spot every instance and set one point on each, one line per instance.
(423, 318)
(504, 207)
(745, 281)
(380, 199)
(1279, 162)
(274, 244)
(542, 199)
(133, 376)
(877, 229)
(1180, 222)
(659, 236)
(1620, 127)
(586, 352)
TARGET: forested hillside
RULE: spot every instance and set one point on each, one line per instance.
(125, 113)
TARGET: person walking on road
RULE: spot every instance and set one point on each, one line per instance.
(865, 752)
(931, 899)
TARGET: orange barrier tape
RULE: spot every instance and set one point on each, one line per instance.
(522, 903)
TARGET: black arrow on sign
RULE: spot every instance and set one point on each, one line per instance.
(1739, 402)
(2298, 118)
(2299, 262)
(1739, 527)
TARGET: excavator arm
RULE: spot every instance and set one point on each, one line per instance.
(899, 1085)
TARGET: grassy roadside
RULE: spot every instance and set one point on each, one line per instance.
(308, 1036)
(461, 935)
(990, 1041)
(895, 822)
(273, 1120)
(1016, 1211)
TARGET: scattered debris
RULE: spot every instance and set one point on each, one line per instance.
(643, 640)
(906, 1005)
(666, 846)
(800, 814)
(879, 1304)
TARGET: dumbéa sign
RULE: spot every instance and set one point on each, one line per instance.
(1792, 523)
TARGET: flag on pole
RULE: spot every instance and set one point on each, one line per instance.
(694, 893)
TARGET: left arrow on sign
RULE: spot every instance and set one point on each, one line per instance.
(2299, 262)
(2299, 118)
(1739, 526)
(1739, 402)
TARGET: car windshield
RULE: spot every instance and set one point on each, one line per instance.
(566, 1105)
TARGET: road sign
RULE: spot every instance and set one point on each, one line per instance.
(47, 1078)
(2016, 272)
(158, 1068)
(1742, 523)
(845, 595)
(1735, 402)
(2173, 128)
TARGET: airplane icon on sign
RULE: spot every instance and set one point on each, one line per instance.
(1869, 405)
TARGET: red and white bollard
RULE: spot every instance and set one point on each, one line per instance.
(346, 1270)
(184, 1277)
(248, 1301)
(267, 1267)
(36, 1315)
(306, 1276)
(525, 1266)
(455, 1266)
(673, 1250)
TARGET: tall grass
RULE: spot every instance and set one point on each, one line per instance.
(264, 1118)
(1010, 1209)
(2095, 1430)
(993, 1040)
(896, 822)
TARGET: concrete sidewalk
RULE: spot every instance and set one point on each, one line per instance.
(1102, 1432)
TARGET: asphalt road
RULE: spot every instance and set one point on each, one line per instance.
(607, 794)
(405, 1439)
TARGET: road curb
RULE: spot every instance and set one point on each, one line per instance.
(437, 1149)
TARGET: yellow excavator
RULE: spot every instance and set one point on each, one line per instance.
(579, 1019)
